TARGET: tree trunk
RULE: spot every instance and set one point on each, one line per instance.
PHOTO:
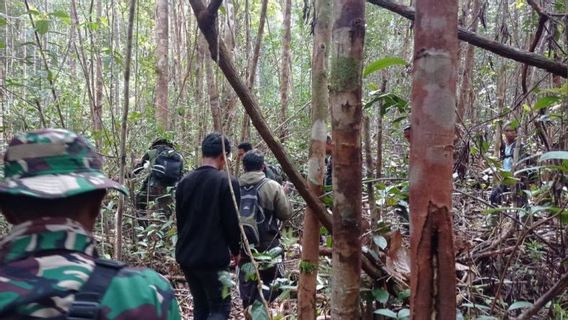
(466, 96)
(123, 131)
(433, 280)
(346, 111)
(162, 34)
(285, 72)
(213, 92)
(98, 106)
(316, 165)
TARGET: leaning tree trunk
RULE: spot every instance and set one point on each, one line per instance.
(285, 72)
(346, 111)
(161, 102)
(433, 281)
(316, 166)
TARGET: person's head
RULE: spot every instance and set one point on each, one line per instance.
(253, 160)
(329, 145)
(161, 141)
(510, 132)
(407, 132)
(53, 173)
(212, 149)
(243, 148)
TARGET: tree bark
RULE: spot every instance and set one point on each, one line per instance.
(433, 280)
(346, 111)
(316, 166)
(162, 44)
(285, 71)
(518, 55)
(98, 106)
(123, 131)
(466, 96)
(213, 92)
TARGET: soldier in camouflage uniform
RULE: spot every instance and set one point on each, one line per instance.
(52, 192)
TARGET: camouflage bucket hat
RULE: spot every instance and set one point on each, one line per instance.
(53, 163)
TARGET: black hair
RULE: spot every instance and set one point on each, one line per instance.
(212, 145)
(246, 146)
(253, 160)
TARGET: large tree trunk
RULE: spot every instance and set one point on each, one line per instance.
(433, 280)
(316, 166)
(346, 111)
(161, 103)
(285, 72)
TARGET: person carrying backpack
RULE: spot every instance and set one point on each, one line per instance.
(165, 168)
(52, 193)
(262, 208)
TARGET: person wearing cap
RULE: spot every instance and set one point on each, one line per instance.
(208, 228)
(51, 193)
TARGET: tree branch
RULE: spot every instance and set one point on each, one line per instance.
(533, 59)
(556, 290)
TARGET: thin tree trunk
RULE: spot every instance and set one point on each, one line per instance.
(285, 71)
(213, 95)
(162, 35)
(346, 111)
(466, 96)
(433, 280)
(123, 131)
(316, 166)
(369, 170)
(245, 132)
(98, 106)
(501, 89)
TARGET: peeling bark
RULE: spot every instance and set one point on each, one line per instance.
(433, 282)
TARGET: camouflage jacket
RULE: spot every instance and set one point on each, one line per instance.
(44, 262)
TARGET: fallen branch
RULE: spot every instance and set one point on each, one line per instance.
(557, 289)
(533, 59)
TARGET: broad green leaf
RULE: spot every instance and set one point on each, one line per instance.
(42, 26)
(554, 155)
(383, 63)
(380, 294)
(33, 11)
(404, 313)
(62, 15)
(380, 241)
(2, 44)
(3, 21)
(258, 311)
(545, 102)
(519, 305)
(387, 313)
(404, 294)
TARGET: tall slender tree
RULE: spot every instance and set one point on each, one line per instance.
(162, 35)
(348, 35)
(285, 71)
(316, 167)
(433, 281)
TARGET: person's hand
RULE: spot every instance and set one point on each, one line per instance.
(288, 187)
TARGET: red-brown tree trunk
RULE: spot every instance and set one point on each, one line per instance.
(316, 166)
(346, 111)
(433, 281)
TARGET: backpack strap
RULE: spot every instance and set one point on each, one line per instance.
(87, 301)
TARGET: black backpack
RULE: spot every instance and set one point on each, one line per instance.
(251, 212)
(167, 166)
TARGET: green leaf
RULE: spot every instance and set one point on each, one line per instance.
(382, 64)
(519, 305)
(545, 102)
(380, 294)
(3, 21)
(2, 44)
(258, 311)
(380, 241)
(42, 26)
(554, 155)
(62, 15)
(404, 294)
(404, 313)
(33, 11)
(387, 313)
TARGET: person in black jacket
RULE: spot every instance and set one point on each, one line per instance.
(208, 228)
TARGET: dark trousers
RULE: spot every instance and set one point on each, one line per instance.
(205, 287)
(249, 290)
